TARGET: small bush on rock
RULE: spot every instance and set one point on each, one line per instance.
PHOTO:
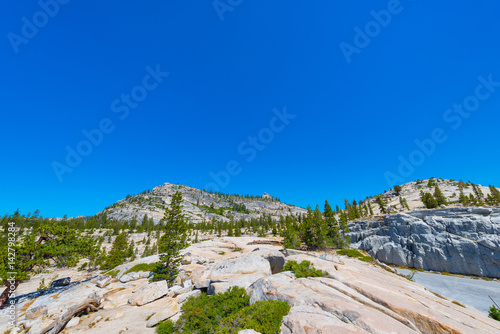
(494, 313)
(303, 269)
(225, 313)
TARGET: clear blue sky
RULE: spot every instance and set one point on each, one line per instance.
(353, 120)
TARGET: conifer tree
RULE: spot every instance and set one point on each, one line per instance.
(170, 244)
(118, 252)
(290, 236)
(381, 204)
(438, 195)
(428, 200)
(495, 195)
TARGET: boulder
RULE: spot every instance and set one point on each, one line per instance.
(248, 331)
(276, 258)
(60, 282)
(148, 293)
(170, 309)
(238, 271)
(134, 276)
(73, 322)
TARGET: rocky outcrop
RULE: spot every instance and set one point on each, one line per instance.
(353, 297)
(455, 240)
(361, 298)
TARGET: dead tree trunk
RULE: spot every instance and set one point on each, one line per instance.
(93, 301)
(4, 297)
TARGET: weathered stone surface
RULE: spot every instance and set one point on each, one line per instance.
(37, 327)
(238, 271)
(361, 298)
(276, 258)
(149, 293)
(248, 331)
(170, 309)
(455, 240)
(36, 312)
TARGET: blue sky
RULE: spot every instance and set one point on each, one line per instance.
(360, 83)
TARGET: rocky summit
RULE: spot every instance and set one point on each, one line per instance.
(354, 296)
(199, 205)
(454, 240)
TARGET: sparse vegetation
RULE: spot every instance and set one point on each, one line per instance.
(457, 303)
(142, 267)
(112, 272)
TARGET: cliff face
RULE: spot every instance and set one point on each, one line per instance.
(455, 240)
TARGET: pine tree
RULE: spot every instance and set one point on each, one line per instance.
(438, 195)
(334, 236)
(381, 204)
(495, 195)
(118, 252)
(170, 244)
(307, 231)
(290, 236)
(398, 189)
(428, 200)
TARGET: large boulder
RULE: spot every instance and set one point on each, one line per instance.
(238, 271)
(149, 293)
(276, 258)
(170, 309)
(455, 240)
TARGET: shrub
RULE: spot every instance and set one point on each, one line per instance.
(142, 267)
(165, 327)
(350, 252)
(262, 316)
(303, 269)
(494, 313)
(112, 272)
(355, 254)
(227, 312)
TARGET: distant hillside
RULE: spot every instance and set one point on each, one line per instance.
(199, 205)
(411, 193)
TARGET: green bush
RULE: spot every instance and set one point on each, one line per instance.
(350, 252)
(142, 267)
(355, 254)
(494, 313)
(165, 327)
(263, 316)
(225, 313)
(303, 269)
(112, 272)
